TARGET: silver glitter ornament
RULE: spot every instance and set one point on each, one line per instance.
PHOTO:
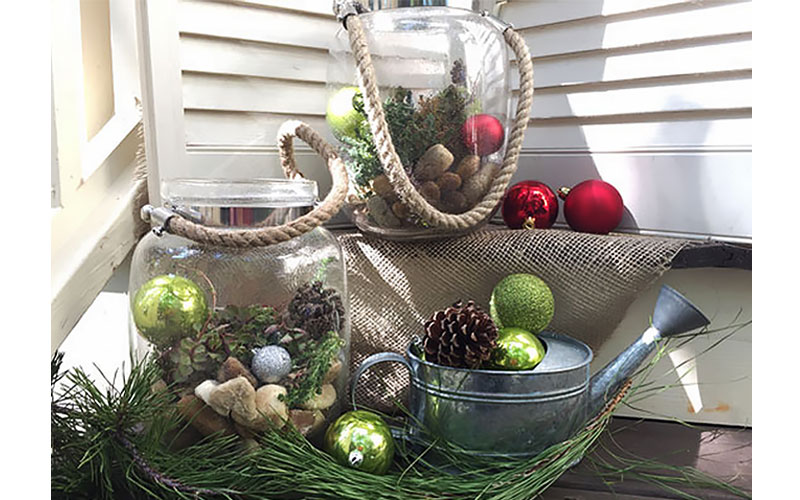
(271, 363)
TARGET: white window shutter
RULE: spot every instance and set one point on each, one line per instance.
(653, 96)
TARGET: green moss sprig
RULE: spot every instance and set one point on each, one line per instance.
(310, 367)
(414, 128)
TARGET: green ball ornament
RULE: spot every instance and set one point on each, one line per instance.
(517, 349)
(360, 439)
(169, 307)
(522, 301)
(342, 117)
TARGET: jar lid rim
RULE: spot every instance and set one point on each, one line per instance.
(471, 5)
(241, 192)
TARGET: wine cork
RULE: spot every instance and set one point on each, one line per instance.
(477, 185)
(382, 186)
(454, 202)
(468, 166)
(449, 181)
(436, 160)
(430, 191)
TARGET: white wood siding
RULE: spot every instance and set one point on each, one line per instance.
(651, 95)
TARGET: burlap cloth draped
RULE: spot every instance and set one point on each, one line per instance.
(394, 286)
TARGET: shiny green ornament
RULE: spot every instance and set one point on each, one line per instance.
(342, 117)
(517, 349)
(360, 439)
(169, 307)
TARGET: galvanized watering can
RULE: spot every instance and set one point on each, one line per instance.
(521, 413)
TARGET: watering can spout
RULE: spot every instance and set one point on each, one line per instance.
(673, 314)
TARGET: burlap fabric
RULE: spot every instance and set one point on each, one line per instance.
(394, 286)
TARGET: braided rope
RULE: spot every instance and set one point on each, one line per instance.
(392, 166)
(263, 236)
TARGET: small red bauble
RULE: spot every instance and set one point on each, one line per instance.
(483, 134)
(592, 206)
(530, 204)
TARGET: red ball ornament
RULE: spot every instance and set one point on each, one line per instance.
(592, 206)
(483, 134)
(530, 204)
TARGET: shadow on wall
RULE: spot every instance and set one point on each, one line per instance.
(688, 170)
(575, 159)
(565, 168)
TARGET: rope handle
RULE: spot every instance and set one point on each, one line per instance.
(393, 167)
(269, 235)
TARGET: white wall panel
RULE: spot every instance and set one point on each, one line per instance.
(243, 22)
(526, 13)
(244, 129)
(696, 62)
(683, 132)
(251, 94)
(689, 133)
(239, 57)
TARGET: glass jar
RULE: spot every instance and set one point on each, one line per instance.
(443, 80)
(254, 336)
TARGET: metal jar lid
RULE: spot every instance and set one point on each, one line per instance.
(374, 5)
(475, 5)
(240, 203)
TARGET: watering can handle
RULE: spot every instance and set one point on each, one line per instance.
(381, 357)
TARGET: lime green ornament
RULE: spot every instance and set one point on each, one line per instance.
(360, 439)
(342, 117)
(169, 307)
(522, 301)
(517, 349)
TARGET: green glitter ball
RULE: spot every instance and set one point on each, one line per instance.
(169, 307)
(361, 439)
(522, 301)
(517, 349)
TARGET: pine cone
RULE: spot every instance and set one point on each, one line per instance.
(461, 336)
(315, 309)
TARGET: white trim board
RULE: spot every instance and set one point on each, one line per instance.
(90, 240)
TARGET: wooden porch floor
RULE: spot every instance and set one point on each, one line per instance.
(723, 452)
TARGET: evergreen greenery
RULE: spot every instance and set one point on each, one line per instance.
(314, 364)
(414, 128)
(120, 443)
(231, 331)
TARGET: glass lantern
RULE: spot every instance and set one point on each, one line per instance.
(248, 337)
(443, 78)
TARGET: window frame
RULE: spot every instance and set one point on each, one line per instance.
(93, 181)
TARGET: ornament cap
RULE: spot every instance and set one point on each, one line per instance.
(563, 191)
(530, 223)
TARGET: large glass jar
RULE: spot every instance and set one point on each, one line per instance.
(443, 79)
(249, 337)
